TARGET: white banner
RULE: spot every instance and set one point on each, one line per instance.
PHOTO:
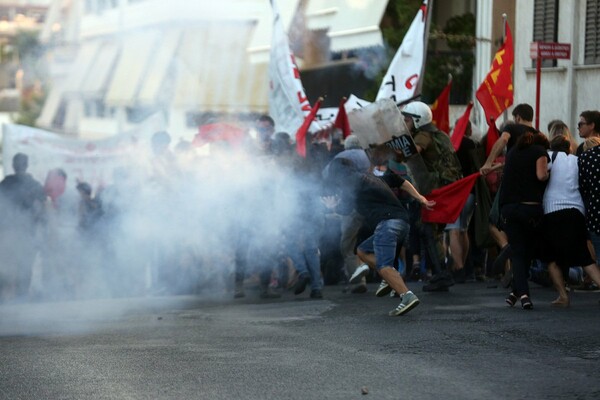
(91, 161)
(328, 115)
(377, 123)
(404, 72)
(288, 104)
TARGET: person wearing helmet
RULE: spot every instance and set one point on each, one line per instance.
(443, 168)
(437, 150)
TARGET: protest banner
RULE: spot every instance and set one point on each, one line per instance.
(91, 161)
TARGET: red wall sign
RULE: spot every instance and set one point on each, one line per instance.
(550, 50)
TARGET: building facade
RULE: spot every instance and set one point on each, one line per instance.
(116, 62)
(567, 87)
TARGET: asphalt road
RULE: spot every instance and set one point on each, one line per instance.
(465, 344)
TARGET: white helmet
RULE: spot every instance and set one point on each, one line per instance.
(419, 112)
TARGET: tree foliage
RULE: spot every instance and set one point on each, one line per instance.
(29, 52)
(456, 57)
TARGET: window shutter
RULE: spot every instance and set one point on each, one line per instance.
(592, 32)
(545, 24)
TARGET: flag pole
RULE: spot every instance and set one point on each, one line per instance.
(429, 5)
(504, 19)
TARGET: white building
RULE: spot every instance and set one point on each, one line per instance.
(117, 61)
(568, 87)
(185, 59)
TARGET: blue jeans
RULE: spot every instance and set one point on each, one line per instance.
(384, 242)
(303, 250)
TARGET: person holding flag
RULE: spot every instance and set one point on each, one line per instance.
(523, 123)
(458, 231)
(523, 117)
(443, 168)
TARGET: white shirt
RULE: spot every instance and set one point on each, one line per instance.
(562, 191)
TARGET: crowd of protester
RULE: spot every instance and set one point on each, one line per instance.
(258, 216)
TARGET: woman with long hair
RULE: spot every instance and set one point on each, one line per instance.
(525, 177)
(556, 128)
(564, 230)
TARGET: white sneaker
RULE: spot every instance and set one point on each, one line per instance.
(361, 271)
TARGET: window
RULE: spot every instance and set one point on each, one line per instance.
(592, 32)
(136, 115)
(98, 6)
(545, 25)
(95, 108)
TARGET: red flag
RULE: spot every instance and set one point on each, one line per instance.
(441, 109)
(341, 120)
(492, 136)
(496, 91)
(450, 200)
(461, 127)
(301, 133)
(218, 132)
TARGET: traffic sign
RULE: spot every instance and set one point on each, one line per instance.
(550, 50)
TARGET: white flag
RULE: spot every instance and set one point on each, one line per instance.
(288, 104)
(404, 73)
(328, 114)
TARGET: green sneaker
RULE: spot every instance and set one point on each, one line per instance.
(409, 301)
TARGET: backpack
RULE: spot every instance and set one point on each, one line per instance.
(447, 166)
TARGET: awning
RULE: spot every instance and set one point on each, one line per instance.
(81, 67)
(135, 59)
(96, 79)
(214, 73)
(158, 67)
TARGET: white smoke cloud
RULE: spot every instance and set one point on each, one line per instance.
(164, 231)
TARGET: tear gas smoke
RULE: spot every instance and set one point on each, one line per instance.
(170, 229)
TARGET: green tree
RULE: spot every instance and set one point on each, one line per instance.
(459, 36)
(28, 53)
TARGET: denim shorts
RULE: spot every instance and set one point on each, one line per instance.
(463, 220)
(384, 242)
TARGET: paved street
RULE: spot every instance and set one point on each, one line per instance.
(465, 344)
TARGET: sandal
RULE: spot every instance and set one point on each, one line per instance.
(526, 302)
(511, 300)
